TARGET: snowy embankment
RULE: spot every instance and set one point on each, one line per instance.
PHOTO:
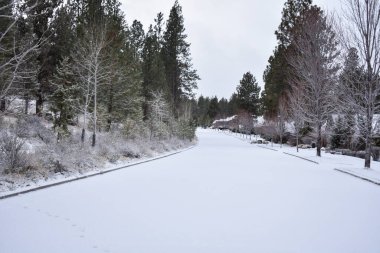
(23, 188)
(222, 196)
(32, 157)
(350, 165)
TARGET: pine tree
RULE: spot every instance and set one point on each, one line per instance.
(350, 79)
(136, 36)
(18, 47)
(152, 67)
(180, 76)
(233, 104)
(276, 75)
(40, 18)
(120, 95)
(63, 100)
(223, 108)
(291, 14)
(248, 94)
(213, 108)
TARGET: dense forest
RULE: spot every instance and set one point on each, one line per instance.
(77, 65)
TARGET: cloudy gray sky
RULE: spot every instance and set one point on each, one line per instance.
(228, 38)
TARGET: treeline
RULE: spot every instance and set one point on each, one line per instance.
(245, 101)
(83, 64)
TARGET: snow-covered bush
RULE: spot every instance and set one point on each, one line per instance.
(32, 127)
(186, 129)
(11, 153)
(134, 129)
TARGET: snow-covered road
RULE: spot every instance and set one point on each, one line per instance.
(222, 196)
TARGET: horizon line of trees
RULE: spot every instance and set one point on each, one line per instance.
(245, 101)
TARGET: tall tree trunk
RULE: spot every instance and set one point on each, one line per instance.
(319, 140)
(367, 156)
(39, 103)
(2, 104)
(85, 111)
(26, 104)
(368, 144)
(95, 105)
(110, 109)
(83, 135)
(94, 139)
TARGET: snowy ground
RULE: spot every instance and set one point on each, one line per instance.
(348, 164)
(223, 196)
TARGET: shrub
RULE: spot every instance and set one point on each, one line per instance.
(12, 156)
(31, 126)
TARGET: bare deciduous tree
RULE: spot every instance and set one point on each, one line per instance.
(282, 115)
(315, 70)
(361, 92)
(92, 69)
(295, 111)
(159, 112)
(16, 49)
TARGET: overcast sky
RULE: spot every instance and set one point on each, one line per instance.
(228, 38)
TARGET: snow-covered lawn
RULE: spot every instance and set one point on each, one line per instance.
(348, 164)
(225, 195)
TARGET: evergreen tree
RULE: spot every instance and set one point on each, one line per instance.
(202, 111)
(233, 104)
(41, 16)
(275, 79)
(17, 51)
(181, 78)
(291, 14)
(223, 108)
(152, 67)
(120, 95)
(248, 94)
(213, 108)
(337, 138)
(276, 75)
(352, 74)
(63, 99)
(94, 12)
(136, 36)
(63, 35)
(350, 79)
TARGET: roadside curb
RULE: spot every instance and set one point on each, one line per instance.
(94, 174)
(303, 158)
(267, 148)
(357, 176)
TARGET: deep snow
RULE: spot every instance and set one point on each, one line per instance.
(222, 196)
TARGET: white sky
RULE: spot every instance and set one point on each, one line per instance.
(228, 38)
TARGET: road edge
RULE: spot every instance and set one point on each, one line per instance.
(95, 173)
(357, 176)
